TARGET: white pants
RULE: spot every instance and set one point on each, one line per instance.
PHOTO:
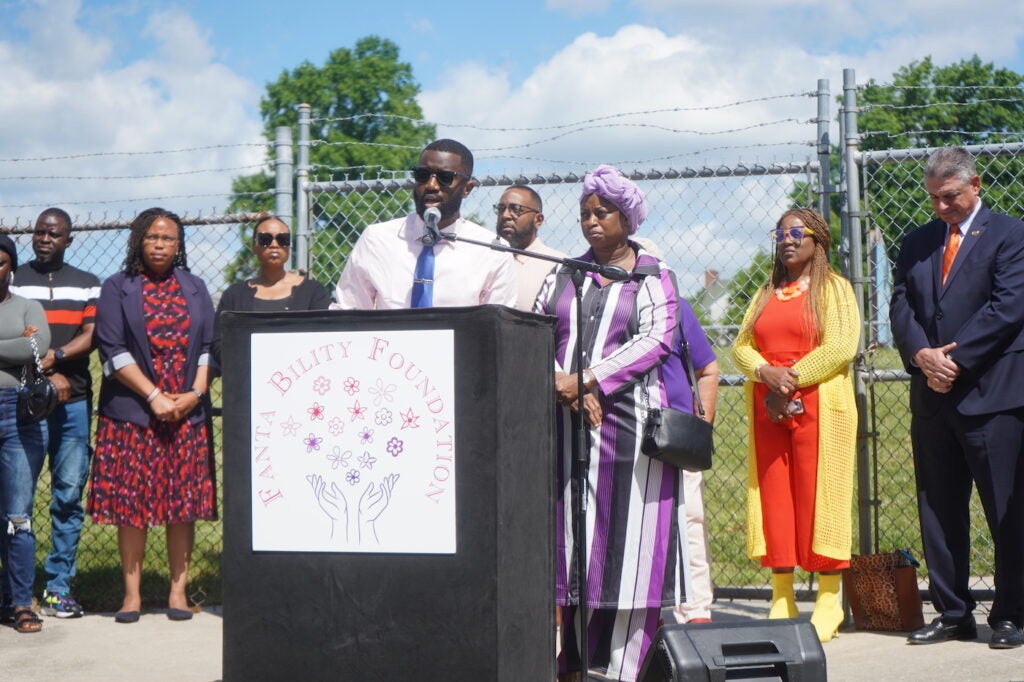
(700, 592)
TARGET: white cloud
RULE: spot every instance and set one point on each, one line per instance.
(176, 96)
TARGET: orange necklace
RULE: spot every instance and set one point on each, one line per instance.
(793, 289)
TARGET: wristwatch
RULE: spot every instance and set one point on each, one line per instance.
(58, 355)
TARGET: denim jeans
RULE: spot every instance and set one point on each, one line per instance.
(69, 468)
(22, 450)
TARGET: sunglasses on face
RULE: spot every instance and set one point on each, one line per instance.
(265, 239)
(796, 233)
(422, 175)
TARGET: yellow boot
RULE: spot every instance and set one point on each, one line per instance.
(828, 610)
(783, 598)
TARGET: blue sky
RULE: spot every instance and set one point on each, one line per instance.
(92, 88)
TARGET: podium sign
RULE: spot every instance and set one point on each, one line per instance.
(388, 495)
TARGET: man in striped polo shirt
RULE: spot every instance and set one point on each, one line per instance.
(69, 297)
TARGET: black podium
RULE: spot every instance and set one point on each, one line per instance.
(482, 609)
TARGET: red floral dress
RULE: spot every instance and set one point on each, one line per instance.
(163, 473)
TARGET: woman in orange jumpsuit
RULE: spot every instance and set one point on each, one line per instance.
(795, 345)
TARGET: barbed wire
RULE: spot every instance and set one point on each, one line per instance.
(88, 155)
(137, 199)
(130, 177)
(1014, 88)
(621, 162)
(525, 145)
(912, 107)
(943, 131)
(560, 126)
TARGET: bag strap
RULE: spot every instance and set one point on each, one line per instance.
(38, 362)
(688, 363)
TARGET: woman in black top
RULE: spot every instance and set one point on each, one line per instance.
(274, 289)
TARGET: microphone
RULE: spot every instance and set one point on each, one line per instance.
(614, 273)
(431, 234)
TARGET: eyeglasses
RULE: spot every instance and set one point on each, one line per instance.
(422, 175)
(162, 238)
(796, 233)
(265, 239)
(515, 209)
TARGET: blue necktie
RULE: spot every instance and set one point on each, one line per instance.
(423, 279)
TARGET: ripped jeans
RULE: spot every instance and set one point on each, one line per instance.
(22, 452)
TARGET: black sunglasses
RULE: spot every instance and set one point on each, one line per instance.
(422, 174)
(265, 239)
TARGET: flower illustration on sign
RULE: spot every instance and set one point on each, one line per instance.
(357, 411)
(336, 426)
(352, 476)
(312, 442)
(367, 460)
(316, 412)
(351, 385)
(382, 417)
(322, 385)
(382, 393)
(338, 458)
(395, 447)
(410, 420)
(290, 428)
(366, 436)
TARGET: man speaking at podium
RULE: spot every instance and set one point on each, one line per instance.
(402, 263)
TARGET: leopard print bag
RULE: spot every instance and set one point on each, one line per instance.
(883, 592)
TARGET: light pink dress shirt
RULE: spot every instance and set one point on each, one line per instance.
(530, 272)
(379, 271)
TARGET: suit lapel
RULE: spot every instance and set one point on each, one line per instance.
(134, 316)
(977, 231)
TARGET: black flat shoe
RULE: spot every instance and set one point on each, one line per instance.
(1005, 635)
(126, 617)
(938, 631)
(179, 614)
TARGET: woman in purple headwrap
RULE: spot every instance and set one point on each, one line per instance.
(634, 503)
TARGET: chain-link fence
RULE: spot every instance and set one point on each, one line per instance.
(896, 203)
(711, 224)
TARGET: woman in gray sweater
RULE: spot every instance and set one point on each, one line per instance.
(22, 446)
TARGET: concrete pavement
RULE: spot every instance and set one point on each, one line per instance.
(96, 649)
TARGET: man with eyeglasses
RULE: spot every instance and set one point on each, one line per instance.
(957, 316)
(69, 297)
(391, 266)
(520, 215)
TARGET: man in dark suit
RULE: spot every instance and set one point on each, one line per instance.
(957, 315)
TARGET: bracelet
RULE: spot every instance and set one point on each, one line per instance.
(199, 394)
(757, 371)
(153, 394)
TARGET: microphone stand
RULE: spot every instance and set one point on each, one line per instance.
(581, 453)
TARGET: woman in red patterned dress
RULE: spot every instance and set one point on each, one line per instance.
(153, 464)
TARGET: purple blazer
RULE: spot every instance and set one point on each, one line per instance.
(121, 338)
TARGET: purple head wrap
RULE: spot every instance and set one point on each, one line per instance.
(609, 183)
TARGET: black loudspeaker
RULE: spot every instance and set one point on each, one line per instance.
(785, 649)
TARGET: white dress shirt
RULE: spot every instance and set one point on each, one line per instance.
(379, 271)
(530, 272)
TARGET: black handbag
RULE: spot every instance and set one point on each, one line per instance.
(681, 439)
(37, 396)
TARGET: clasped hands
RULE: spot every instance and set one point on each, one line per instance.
(781, 382)
(938, 368)
(172, 407)
(566, 391)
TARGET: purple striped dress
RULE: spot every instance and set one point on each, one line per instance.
(635, 503)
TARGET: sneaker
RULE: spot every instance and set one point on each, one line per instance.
(61, 605)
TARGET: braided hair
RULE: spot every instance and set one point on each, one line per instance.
(133, 263)
(821, 273)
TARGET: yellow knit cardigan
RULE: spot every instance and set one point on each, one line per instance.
(829, 366)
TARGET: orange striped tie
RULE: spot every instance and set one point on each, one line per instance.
(952, 246)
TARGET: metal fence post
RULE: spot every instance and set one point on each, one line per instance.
(283, 168)
(302, 235)
(854, 239)
(824, 150)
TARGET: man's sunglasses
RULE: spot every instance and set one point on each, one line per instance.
(265, 239)
(422, 174)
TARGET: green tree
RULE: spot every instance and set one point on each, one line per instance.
(365, 125)
(967, 103)
(744, 285)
